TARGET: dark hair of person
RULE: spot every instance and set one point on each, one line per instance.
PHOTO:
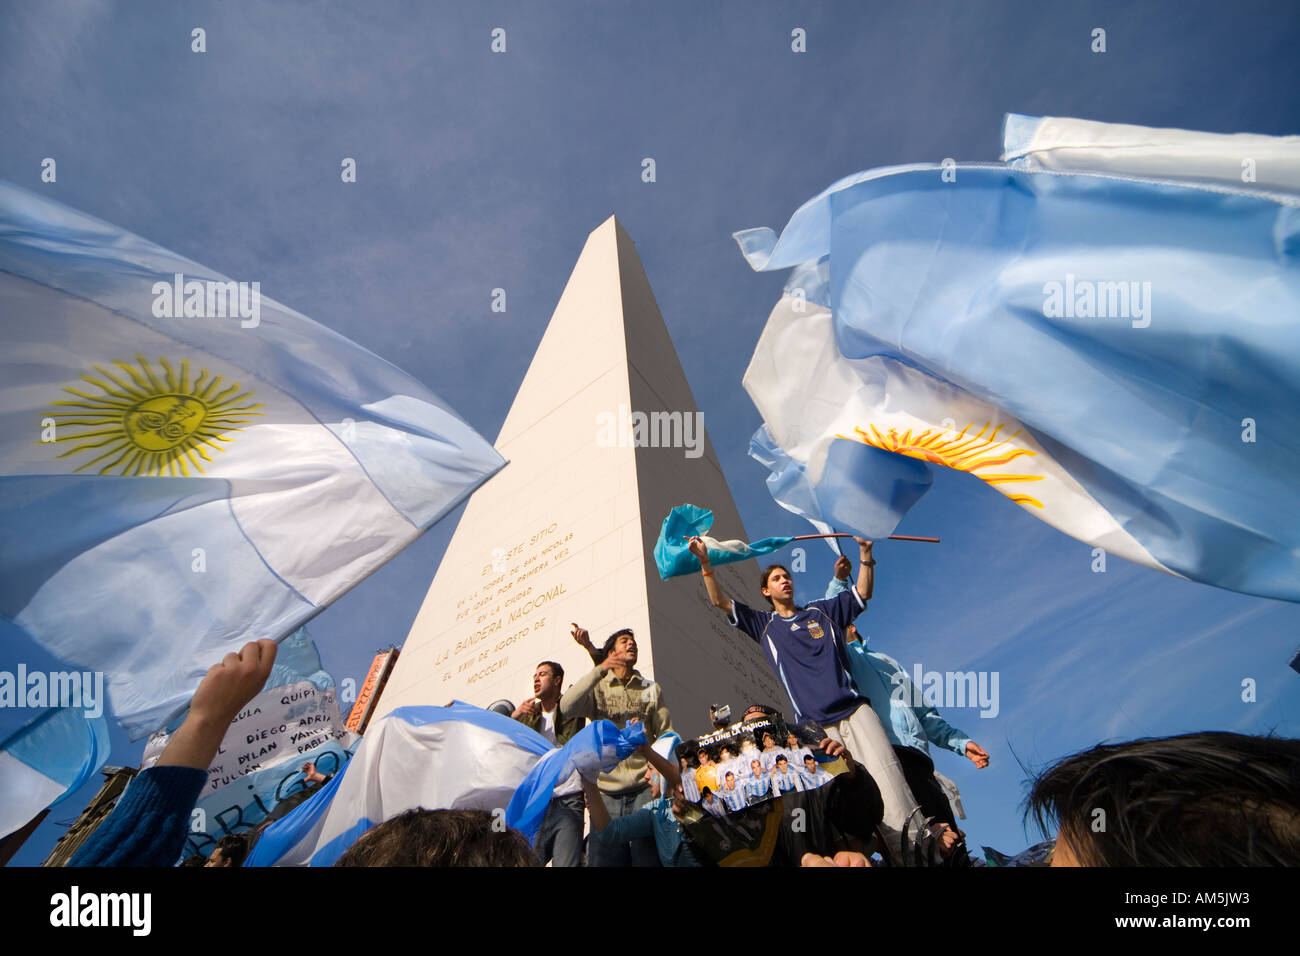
(233, 847)
(556, 671)
(198, 859)
(609, 641)
(767, 573)
(1202, 799)
(439, 838)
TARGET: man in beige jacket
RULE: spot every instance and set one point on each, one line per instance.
(614, 690)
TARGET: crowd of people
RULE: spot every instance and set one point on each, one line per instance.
(850, 782)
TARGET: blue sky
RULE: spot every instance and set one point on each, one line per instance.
(479, 170)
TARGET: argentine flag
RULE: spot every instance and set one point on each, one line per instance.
(1115, 350)
(440, 758)
(672, 550)
(186, 466)
(48, 760)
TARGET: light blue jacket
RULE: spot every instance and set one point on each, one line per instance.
(907, 720)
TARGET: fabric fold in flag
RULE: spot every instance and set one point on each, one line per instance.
(48, 760)
(672, 552)
(186, 465)
(296, 659)
(1239, 160)
(596, 748)
(458, 757)
(1118, 355)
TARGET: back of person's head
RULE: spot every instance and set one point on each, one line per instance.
(439, 838)
(767, 573)
(1203, 799)
(198, 859)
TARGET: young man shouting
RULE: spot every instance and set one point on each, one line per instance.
(615, 690)
(805, 646)
(560, 837)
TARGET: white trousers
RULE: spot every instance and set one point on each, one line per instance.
(867, 742)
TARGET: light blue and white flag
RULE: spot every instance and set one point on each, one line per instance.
(186, 465)
(1119, 355)
(48, 760)
(595, 748)
(672, 552)
(1234, 160)
(458, 757)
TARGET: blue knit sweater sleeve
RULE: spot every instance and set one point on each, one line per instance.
(149, 823)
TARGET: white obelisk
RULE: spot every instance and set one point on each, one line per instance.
(565, 532)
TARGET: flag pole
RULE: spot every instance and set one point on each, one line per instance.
(841, 534)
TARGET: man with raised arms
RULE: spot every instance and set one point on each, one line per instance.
(805, 646)
(615, 690)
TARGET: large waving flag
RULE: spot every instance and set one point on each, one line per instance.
(454, 758)
(1117, 354)
(185, 465)
(672, 552)
(48, 760)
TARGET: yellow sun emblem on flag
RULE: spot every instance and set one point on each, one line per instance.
(144, 422)
(961, 453)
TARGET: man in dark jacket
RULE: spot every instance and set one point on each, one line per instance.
(560, 837)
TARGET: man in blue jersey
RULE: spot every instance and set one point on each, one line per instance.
(784, 779)
(805, 646)
(757, 783)
(732, 796)
(712, 804)
(812, 775)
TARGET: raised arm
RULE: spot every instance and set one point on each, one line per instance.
(840, 582)
(719, 600)
(866, 570)
(148, 825)
(671, 774)
(579, 700)
(595, 806)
